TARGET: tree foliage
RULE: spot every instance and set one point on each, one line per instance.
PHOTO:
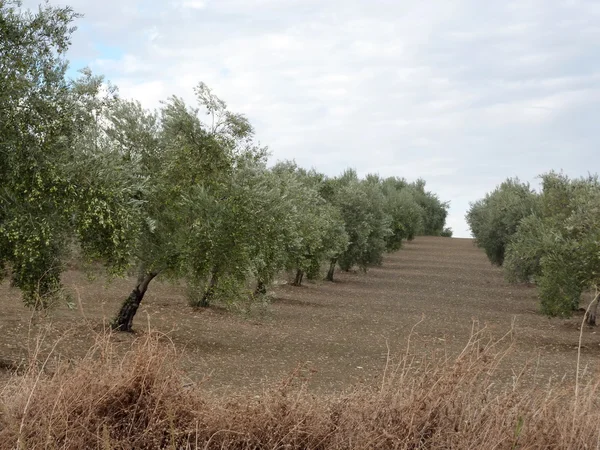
(560, 248)
(58, 181)
(316, 228)
(446, 232)
(199, 209)
(361, 206)
(495, 218)
(407, 215)
(435, 211)
(557, 245)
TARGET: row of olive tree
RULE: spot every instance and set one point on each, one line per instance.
(549, 237)
(214, 215)
(166, 192)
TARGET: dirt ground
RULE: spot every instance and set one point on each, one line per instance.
(339, 333)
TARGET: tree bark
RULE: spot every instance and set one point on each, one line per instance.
(124, 319)
(591, 316)
(261, 289)
(331, 271)
(210, 290)
(299, 277)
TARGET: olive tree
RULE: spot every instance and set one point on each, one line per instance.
(435, 211)
(316, 231)
(276, 227)
(407, 216)
(213, 215)
(526, 247)
(59, 182)
(558, 247)
(188, 168)
(362, 207)
(573, 265)
(240, 233)
(496, 217)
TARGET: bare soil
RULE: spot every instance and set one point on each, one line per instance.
(337, 334)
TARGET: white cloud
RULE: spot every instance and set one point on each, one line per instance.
(193, 4)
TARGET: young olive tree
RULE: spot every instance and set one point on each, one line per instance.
(59, 181)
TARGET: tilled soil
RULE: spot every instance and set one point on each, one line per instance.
(437, 290)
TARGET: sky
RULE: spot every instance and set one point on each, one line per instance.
(462, 93)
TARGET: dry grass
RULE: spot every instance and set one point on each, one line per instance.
(430, 401)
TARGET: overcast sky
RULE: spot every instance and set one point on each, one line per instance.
(461, 93)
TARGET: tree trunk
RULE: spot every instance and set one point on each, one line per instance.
(591, 316)
(124, 319)
(298, 279)
(261, 289)
(210, 290)
(331, 271)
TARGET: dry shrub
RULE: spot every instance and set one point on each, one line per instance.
(135, 401)
(141, 401)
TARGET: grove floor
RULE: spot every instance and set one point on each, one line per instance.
(339, 333)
